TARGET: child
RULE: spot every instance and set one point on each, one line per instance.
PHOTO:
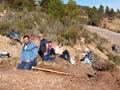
(51, 50)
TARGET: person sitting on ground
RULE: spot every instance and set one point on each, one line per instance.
(43, 49)
(87, 56)
(59, 49)
(63, 54)
(15, 36)
(51, 50)
(29, 54)
(115, 48)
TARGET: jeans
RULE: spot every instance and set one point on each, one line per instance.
(27, 65)
(48, 58)
(65, 55)
(87, 61)
(51, 51)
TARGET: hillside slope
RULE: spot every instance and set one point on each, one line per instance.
(80, 76)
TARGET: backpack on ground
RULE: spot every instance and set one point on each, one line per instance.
(4, 55)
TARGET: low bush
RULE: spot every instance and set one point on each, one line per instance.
(103, 66)
(114, 58)
(3, 28)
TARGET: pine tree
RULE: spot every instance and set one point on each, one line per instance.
(112, 12)
(101, 12)
(93, 17)
(118, 11)
(92, 12)
(72, 9)
(44, 3)
(20, 4)
(107, 11)
(56, 8)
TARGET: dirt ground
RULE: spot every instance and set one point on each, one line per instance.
(80, 76)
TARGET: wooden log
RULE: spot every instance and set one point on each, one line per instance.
(48, 70)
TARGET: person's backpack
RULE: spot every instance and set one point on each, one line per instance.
(15, 36)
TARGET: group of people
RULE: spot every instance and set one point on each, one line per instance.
(46, 49)
(30, 51)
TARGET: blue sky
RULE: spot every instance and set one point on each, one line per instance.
(115, 4)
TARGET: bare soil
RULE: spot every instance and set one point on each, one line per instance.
(81, 77)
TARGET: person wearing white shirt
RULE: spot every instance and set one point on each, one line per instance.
(59, 49)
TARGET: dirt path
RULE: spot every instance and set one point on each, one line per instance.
(105, 33)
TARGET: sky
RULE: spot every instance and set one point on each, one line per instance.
(115, 4)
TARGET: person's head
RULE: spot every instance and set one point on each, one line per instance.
(60, 44)
(50, 42)
(87, 50)
(41, 36)
(26, 39)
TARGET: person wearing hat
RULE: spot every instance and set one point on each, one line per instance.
(43, 49)
(88, 56)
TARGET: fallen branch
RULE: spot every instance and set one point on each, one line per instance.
(48, 70)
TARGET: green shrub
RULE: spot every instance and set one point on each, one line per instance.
(21, 4)
(71, 34)
(69, 43)
(94, 21)
(86, 34)
(100, 47)
(3, 28)
(56, 8)
(114, 58)
(60, 39)
(20, 26)
(103, 66)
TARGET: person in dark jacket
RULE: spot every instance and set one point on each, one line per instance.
(43, 49)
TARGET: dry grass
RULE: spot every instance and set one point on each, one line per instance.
(113, 25)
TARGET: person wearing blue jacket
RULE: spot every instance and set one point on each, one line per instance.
(29, 54)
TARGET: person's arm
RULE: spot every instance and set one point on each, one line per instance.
(21, 58)
(90, 56)
(46, 51)
(34, 53)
